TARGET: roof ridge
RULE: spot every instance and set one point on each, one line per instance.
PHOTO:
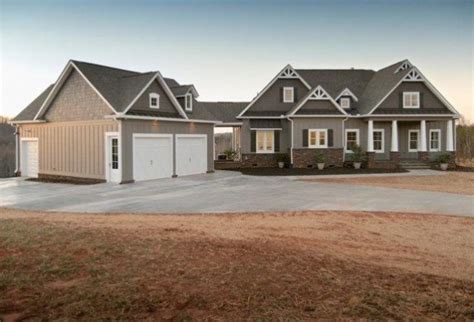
(105, 66)
(335, 69)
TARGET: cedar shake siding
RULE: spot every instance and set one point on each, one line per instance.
(142, 105)
(129, 127)
(71, 149)
(76, 101)
(429, 103)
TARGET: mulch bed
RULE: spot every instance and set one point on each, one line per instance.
(312, 172)
(462, 169)
(68, 181)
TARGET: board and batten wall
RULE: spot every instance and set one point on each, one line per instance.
(74, 149)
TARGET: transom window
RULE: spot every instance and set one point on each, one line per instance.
(352, 139)
(413, 140)
(318, 138)
(345, 102)
(288, 94)
(265, 141)
(411, 99)
(435, 136)
(188, 102)
(378, 137)
(154, 100)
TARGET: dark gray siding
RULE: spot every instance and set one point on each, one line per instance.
(318, 107)
(166, 106)
(318, 123)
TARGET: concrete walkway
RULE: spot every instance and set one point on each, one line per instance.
(226, 192)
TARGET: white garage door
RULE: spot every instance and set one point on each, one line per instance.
(152, 156)
(191, 154)
(29, 159)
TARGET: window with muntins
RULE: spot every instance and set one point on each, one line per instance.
(318, 138)
(413, 141)
(345, 102)
(435, 140)
(411, 99)
(188, 102)
(352, 139)
(154, 100)
(378, 141)
(115, 162)
(265, 141)
(288, 94)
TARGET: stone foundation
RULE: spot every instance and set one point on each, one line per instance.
(259, 160)
(393, 163)
(424, 156)
(305, 158)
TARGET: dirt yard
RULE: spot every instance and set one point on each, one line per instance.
(298, 265)
(452, 182)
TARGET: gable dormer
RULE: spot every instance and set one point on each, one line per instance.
(317, 102)
(279, 96)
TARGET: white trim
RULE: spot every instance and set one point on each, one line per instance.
(370, 136)
(60, 82)
(153, 118)
(191, 135)
(417, 94)
(230, 124)
(29, 139)
(429, 85)
(404, 65)
(318, 116)
(27, 122)
(439, 140)
(319, 93)
(413, 76)
(417, 140)
(265, 129)
(410, 115)
(345, 139)
(107, 170)
(450, 143)
(285, 99)
(262, 117)
(265, 140)
(345, 99)
(291, 141)
(383, 140)
(190, 107)
(278, 76)
(35, 139)
(394, 143)
(347, 92)
(17, 150)
(191, 88)
(150, 97)
(317, 145)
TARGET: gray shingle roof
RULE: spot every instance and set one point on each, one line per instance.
(217, 111)
(180, 90)
(32, 109)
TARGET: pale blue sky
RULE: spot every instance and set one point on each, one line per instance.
(231, 49)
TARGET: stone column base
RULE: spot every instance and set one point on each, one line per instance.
(371, 160)
(395, 159)
(306, 158)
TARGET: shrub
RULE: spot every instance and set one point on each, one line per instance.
(230, 154)
(358, 154)
(319, 157)
(444, 158)
(283, 157)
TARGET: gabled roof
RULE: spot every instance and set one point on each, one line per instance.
(318, 93)
(219, 111)
(181, 90)
(32, 109)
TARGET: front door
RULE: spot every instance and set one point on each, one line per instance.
(113, 160)
(413, 144)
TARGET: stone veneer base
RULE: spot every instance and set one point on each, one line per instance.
(305, 158)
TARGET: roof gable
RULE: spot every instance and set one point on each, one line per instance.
(317, 94)
(29, 112)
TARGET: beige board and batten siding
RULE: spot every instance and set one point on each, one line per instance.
(73, 149)
(130, 127)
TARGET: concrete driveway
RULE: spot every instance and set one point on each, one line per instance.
(225, 192)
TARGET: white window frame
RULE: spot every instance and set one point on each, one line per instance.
(257, 150)
(188, 108)
(438, 149)
(150, 97)
(287, 100)
(382, 150)
(417, 94)
(317, 145)
(417, 140)
(345, 99)
(357, 131)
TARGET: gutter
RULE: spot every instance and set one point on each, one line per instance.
(26, 122)
(291, 143)
(344, 140)
(153, 118)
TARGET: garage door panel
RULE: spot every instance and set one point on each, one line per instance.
(191, 155)
(152, 158)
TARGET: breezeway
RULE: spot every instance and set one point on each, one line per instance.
(225, 192)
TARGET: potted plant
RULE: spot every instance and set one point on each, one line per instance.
(229, 154)
(357, 156)
(443, 160)
(282, 160)
(320, 159)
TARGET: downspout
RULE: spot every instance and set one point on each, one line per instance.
(344, 139)
(291, 141)
(17, 150)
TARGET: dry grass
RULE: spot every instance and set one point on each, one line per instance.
(452, 182)
(299, 265)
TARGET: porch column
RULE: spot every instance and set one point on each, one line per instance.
(449, 137)
(370, 137)
(423, 136)
(394, 136)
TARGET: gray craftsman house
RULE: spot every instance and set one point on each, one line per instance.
(101, 123)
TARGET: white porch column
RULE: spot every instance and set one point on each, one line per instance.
(370, 137)
(449, 137)
(423, 136)
(394, 147)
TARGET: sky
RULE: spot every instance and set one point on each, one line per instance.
(231, 49)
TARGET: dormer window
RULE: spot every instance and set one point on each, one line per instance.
(188, 102)
(345, 102)
(411, 100)
(288, 95)
(154, 100)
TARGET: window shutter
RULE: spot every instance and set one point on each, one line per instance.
(400, 99)
(281, 95)
(330, 138)
(421, 99)
(253, 141)
(276, 138)
(305, 138)
(295, 94)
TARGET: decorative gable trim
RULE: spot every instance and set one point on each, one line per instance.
(59, 84)
(414, 75)
(347, 92)
(157, 76)
(287, 72)
(319, 94)
(405, 65)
